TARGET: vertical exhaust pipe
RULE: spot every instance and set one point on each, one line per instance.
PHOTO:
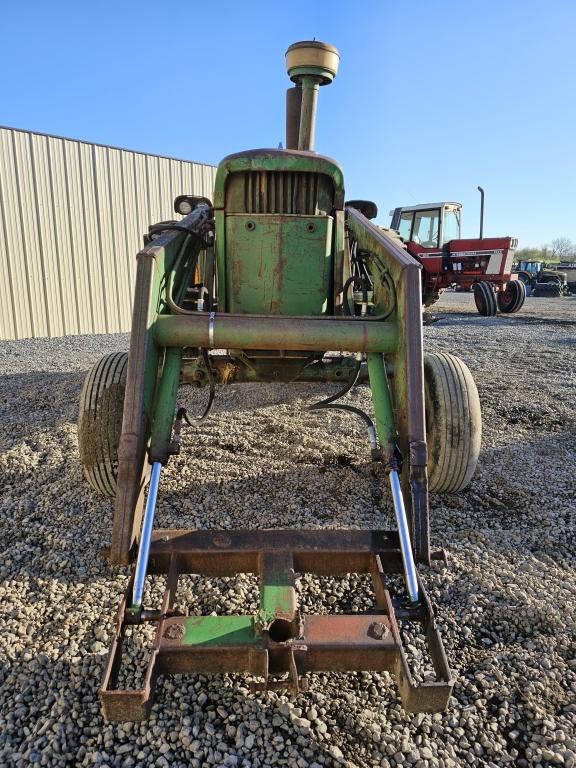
(309, 64)
(293, 104)
(481, 211)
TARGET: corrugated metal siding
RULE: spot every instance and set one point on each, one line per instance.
(72, 216)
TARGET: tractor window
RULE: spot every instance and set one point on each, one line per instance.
(405, 225)
(426, 226)
(451, 226)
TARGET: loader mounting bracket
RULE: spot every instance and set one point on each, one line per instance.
(278, 644)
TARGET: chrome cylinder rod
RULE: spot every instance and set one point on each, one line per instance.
(404, 535)
(146, 538)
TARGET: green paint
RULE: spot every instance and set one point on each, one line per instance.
(276, 600)
(404, 305)
(288, 333)
(165, 405)
(220, 240)
(340, 273)
(278, 264)
(160, 256)
(277, 595)
(383, 410)
(219, 630)
(310, 87)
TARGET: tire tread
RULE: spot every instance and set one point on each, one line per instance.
(453, 422)
(99, 453)
(485, 299)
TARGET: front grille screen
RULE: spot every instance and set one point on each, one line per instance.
(281, 192)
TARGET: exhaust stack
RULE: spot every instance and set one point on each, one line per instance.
(309, 64)
(481, 211)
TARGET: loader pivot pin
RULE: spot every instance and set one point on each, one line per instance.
(404, 536)
(144, 548)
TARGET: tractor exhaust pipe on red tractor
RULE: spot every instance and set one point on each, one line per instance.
(481, 211)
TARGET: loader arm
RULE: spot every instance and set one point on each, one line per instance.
(407, 362)
(155, 329)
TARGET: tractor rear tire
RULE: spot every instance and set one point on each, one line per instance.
(513, 297)
(525, 277)
(453, 422)
(100, 421)
(485, 299)
(551, 289)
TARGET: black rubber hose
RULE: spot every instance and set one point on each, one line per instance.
(161, 227)
(351, 383)
(343, 407)
(347, 284)
(329, 402)
(182, 414)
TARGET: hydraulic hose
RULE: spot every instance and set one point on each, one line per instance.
(329, 403)
(182, 413)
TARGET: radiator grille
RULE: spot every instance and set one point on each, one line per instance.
(280, 192)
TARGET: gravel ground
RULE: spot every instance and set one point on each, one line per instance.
(505, 603)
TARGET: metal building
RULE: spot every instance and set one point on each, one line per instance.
(72, 216)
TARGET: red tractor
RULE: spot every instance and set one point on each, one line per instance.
(432, 235)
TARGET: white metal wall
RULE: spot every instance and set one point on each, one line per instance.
(72, 216)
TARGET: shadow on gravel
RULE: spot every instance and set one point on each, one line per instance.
(37, 400)
(58, 704)
(443, 316)
(207, 487)
(243, 398)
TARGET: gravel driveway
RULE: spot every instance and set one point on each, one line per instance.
(506, 603)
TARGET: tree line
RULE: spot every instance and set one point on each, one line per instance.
(560, 249)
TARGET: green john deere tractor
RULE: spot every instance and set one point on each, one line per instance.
(274, 273)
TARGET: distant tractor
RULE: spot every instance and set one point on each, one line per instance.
(432, 235)
(569, 269)
(541, 279)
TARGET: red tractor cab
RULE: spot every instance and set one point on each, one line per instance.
(432, 233)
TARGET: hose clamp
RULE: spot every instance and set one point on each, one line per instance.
(211, 318)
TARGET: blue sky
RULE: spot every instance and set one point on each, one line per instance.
(432, 98)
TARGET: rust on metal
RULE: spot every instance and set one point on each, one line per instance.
(232, 370)
(277, 644)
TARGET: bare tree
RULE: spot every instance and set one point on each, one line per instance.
(562, 248)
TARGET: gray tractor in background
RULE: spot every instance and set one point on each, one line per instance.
(541, 280)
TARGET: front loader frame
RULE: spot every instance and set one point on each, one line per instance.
(279, 640)
(155, 330)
